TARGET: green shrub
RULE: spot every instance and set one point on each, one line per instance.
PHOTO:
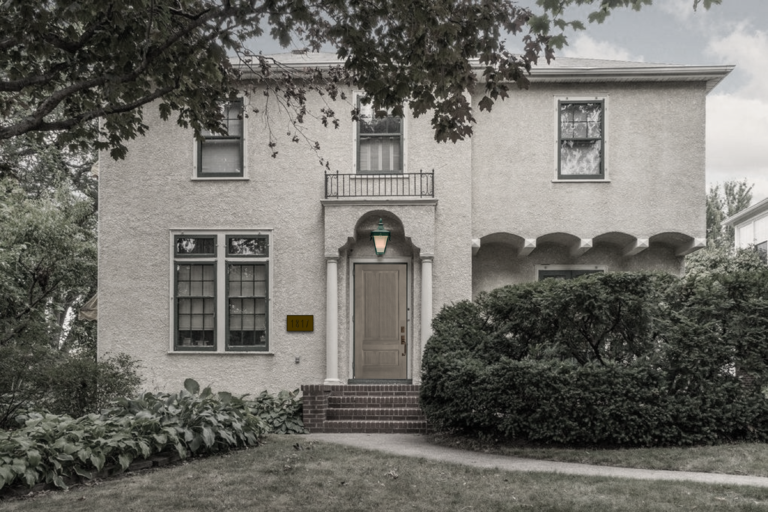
(80, 385)
(40, 379)
(49, 447)
(632, 359)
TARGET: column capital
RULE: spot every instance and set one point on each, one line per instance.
(335, 259)
(427, 257)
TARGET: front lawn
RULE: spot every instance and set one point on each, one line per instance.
(326, 477)
(731, 459)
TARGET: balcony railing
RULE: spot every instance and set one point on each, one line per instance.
(421, 184)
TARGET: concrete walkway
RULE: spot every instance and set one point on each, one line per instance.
(415, 445)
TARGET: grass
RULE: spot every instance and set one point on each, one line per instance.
(326, 477)
(732, 459)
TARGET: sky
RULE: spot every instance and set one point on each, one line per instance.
(671, 32)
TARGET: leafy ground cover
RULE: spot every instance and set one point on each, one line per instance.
(56, 449)
(288, 473)
(731, 459)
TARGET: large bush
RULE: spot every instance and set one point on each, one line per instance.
(39, 378)
(634, 359)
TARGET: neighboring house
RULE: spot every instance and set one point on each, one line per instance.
(751, 227)
(206, 248)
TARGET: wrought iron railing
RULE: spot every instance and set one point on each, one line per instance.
(420, 184)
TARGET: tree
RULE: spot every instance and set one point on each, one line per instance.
(721, 204)
(47, 265)
(65, 63)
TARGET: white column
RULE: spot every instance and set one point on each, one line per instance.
(426, 300)
(332, 322)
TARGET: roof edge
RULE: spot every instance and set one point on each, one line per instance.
(755, 209)
(712, 75)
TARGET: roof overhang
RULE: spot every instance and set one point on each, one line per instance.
(606, 72)
(711, 75)
(753, 211)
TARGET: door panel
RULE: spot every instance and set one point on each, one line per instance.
(380, 321)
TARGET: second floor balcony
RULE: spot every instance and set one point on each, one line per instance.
(420, 184)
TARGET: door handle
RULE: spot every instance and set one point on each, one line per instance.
(402, 339)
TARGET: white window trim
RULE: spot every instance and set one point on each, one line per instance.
(737, 232)
(606, 133)
(356, 95)
(546, 266)
(221, 283)
(244, 177)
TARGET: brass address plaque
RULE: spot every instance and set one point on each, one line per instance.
(300, 323)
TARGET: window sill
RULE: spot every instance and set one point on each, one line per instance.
(222, 178)
(227, 353)
(582, 181)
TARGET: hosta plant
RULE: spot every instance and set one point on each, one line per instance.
(50, 448)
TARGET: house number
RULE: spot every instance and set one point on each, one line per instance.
(300, 323)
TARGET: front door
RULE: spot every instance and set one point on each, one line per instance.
(380, 321)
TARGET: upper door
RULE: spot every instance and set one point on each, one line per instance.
(380, 321)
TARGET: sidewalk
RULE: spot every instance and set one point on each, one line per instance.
(415, 445)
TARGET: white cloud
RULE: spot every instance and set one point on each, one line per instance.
(585, 47)
(747, 48)
(683, 9)
(680, 9)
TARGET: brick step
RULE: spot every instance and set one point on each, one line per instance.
(374, 427)
(372, 401)
(375, 413)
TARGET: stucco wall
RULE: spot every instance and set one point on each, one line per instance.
(499, 182)
(152, 192)
(655, 164)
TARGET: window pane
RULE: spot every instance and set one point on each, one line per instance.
(580, 157)
(761, 230)
(247, 246)
(192, 245)
(380, 154)
(234, 290)
(261, 306)
(220, 156)
(746, 235)
(249, 306)
(233, 113)
(183, 289)
(581, 120)
(247, 289)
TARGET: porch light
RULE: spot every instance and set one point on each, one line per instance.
(380, 237)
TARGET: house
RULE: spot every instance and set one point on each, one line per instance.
(246, 272)
(751, 227)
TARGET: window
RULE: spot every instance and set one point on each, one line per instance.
(221, 272)
(581, 147)
(379, 142)
(565, 274)
(221, 156)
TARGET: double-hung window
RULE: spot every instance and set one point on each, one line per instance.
(581, 139)
(221, 155)
(379, 142)
(221, 292)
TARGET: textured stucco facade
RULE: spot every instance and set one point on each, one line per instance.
(498, 215)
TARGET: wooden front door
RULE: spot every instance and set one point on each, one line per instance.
(380, 321)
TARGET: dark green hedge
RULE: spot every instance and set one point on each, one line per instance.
(620, 359)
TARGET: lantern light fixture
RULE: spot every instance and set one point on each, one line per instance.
(380, 237)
